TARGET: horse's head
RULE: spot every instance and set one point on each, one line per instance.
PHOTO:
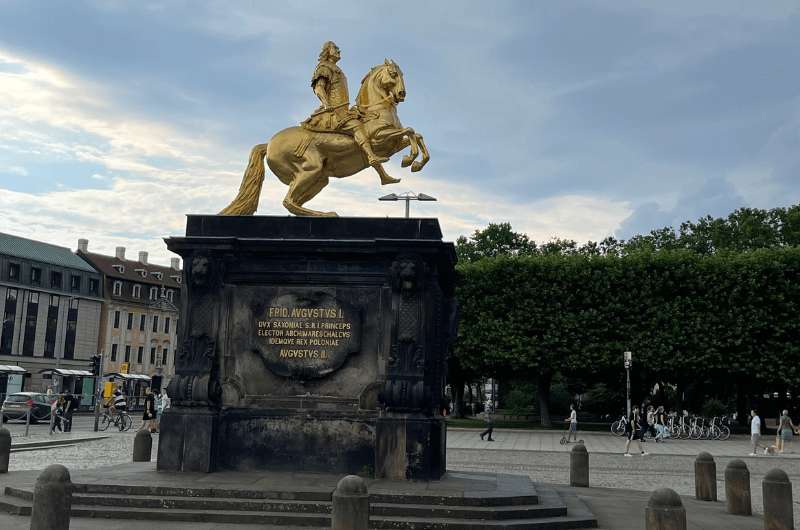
(383, 83)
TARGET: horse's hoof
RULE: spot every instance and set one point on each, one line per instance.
(416, 166)
(406, 161)
(390, 180)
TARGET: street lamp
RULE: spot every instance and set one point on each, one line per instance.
(408, 197)
(627, 358)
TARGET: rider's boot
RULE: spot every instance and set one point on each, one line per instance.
(363, 142)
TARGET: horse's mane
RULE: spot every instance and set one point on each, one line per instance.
(361, 98)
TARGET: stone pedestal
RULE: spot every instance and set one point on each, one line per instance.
(313, 344)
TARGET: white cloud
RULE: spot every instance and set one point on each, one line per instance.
(17, 170)
(56, 115)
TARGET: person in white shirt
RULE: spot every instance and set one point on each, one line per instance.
(573, 423)
(755, 432)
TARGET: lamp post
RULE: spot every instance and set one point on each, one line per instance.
(408, 197)
(627, 358)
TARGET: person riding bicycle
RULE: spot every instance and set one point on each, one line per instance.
(116, 403)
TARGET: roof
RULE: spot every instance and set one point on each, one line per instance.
(128, 376)
(23, 248)
(65, 371)
(12, 369)
(105, 264)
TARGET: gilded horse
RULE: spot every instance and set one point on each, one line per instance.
(305, 159)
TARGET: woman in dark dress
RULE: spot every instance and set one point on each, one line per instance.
(149, 415)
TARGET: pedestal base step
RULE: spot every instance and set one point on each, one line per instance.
(311, 509)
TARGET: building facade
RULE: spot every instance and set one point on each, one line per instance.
(139, 323)
(51, 307)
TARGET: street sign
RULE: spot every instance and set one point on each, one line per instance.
(123, 368)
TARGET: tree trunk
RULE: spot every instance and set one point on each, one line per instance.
(543, 381)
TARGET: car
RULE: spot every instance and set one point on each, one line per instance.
(15, 406)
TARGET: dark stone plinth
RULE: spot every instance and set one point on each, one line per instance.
(311, 344)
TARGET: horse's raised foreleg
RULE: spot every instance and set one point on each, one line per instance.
(411, 136)
(416, 166)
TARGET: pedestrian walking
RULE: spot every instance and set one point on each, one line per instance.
(487, 418)
(650, 418)
(70, 405)
(661, 424)
(634, 430)
(573, 423)
(55, 414)
(786, 430)
(160, 399)
(149, 414)
(755, 432)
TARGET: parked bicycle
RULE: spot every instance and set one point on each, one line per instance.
(682, 427)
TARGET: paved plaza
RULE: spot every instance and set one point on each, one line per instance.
(534, 453)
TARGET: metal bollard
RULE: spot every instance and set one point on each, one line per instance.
(350, 504)
(665, 511)
(737, 488)
(705, 477)
(777, 495)
(142, 446)
(579, 466)
(52, 499)
(5, 449)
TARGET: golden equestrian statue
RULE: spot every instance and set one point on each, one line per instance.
(336, 140)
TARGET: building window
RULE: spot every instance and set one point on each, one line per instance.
(52, 326)
(139, 355)
(13, 272)
(137, 291)
(75, 282)
(154, 293)
(170, 294)
(166, 325)
(117, 290)
(113, 353)
(116, 319)
(72, 327)
(31, 317)
(142, 320)
(127, 353)
(9, 314)
(164, 356)
(153, 355)
(119, 268)
(36, 276)
(94, 286)
(130, 320)
(155, 323)
(55, 279)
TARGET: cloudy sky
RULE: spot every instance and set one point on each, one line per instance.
(572, 119)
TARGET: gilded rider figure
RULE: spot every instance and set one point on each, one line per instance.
(330, 86)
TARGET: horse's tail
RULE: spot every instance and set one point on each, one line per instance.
(246, 202)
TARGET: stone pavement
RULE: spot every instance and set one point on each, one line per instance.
(534, 453)
(601, 442)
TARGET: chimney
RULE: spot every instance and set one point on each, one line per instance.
(120, 253)
(143, 257)
(83, 245)
(175, 263)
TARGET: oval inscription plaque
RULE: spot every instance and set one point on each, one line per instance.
(307, 335)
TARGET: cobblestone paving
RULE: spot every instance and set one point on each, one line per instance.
(612, 470)
(534, 453)
(116, 449)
